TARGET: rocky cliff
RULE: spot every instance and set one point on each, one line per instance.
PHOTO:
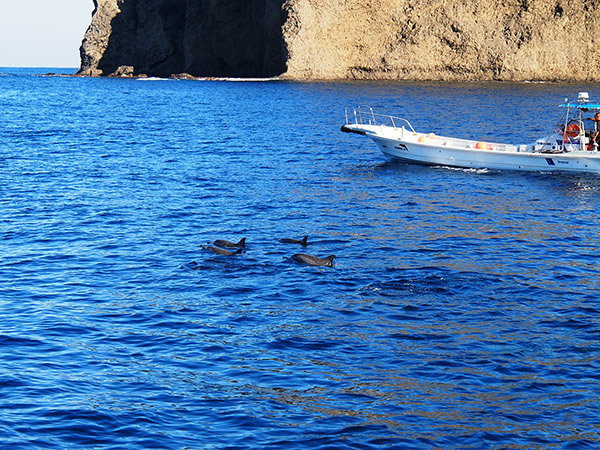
(513, 40)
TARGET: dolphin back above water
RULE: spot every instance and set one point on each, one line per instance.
(222, 251)
(228, 244)
(303, 258)
(303, 242)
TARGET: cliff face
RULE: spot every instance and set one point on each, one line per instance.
(347, 39)
(200, 37)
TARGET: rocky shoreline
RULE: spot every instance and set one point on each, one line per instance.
(419, 40)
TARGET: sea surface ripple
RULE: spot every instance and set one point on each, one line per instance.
(462, 311)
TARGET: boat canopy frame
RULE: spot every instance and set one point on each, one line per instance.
(572, 123)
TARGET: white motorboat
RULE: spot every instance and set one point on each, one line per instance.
(569, 148)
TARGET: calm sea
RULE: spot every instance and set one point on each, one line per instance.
(463, 310)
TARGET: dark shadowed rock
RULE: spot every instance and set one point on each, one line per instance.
(202, 38)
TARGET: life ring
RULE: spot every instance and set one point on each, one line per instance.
(573, 130)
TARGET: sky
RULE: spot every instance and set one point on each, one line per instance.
(42, 33)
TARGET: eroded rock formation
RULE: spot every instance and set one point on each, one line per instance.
(199, 37)
(512, 40)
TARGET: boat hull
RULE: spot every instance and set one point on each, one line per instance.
(487, 159)
(402, 145)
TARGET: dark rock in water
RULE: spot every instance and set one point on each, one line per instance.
(303, 258)
(222, 251)
(124, 72)
(303, 242)
(228, 244)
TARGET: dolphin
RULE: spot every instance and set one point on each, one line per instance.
(221, 251)
(228, 244)
(303, 242)
(313, 260)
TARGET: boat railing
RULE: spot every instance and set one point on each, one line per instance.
(364, 115)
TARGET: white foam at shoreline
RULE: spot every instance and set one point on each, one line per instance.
(208, 79)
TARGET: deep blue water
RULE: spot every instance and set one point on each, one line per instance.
(462, 312)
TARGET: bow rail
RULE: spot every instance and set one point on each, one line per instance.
(364, 115)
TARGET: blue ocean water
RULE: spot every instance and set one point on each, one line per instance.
(462, 312)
